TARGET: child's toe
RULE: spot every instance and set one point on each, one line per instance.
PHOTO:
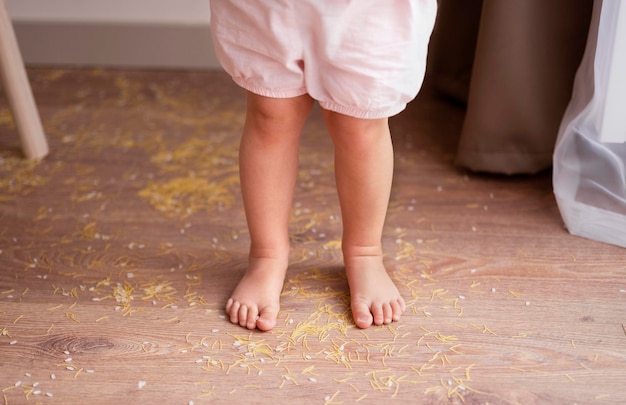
(251, 318)
(233, 311)
(397, 309)
(387, 313)
(362, 315)
(267, 319)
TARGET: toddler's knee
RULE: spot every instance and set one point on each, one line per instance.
(357, 133)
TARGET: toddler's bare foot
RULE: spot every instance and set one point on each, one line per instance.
(375, 299)
(256, 300)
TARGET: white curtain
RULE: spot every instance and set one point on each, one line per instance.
(589, 175)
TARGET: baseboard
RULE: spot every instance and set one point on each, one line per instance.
(119, 33)
(118, 45)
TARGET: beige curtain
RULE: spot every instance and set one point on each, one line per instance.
(513, 62)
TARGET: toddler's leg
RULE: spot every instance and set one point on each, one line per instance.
(268, 160)
(364, 170)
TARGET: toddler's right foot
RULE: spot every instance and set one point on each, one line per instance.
(255, 302)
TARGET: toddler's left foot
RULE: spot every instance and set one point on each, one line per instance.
(375, 299)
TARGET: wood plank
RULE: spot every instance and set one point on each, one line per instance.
(139, 198)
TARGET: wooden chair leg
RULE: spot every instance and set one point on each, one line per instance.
(18, 91)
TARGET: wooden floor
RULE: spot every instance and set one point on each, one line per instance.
(118, 251)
